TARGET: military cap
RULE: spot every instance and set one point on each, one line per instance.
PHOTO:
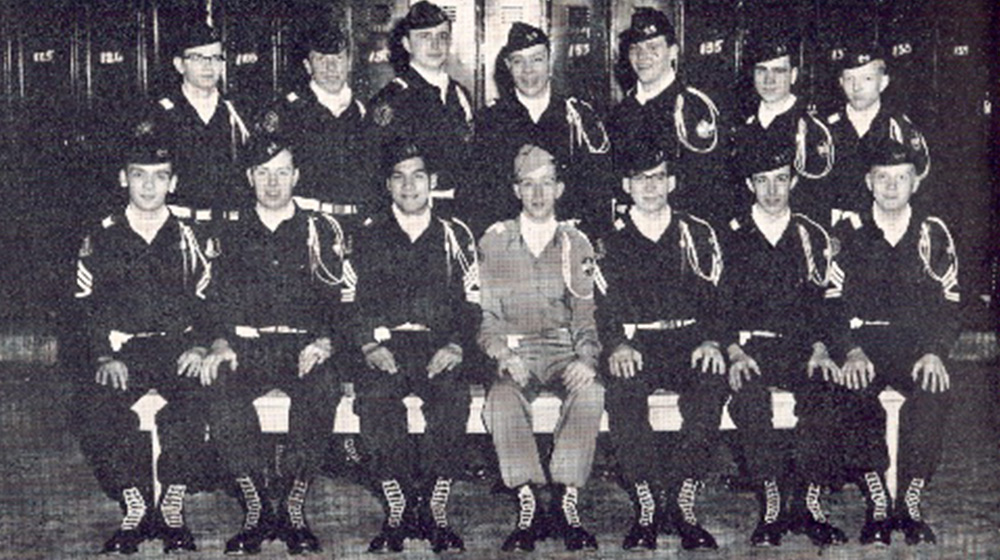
(887, 151)
(268, 140)
(530, 158)
(767, 154)
(325, 40)
(195, 34)
(423, 15)
(522, 36)
(401, 149)
(648, 23)
(145, 145)
(859, 53)
(769, 46)
(638, 158)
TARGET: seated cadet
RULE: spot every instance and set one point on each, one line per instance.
(538, 324)
(658, 323)
(280, 272)
(417, 290)
(901, 300)
(777, 267)
(140, 277)
(782, 116)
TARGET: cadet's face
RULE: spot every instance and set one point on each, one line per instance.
(650, 188)
(773, 79)
(329, 71)
(274, 181)
(892, 185)
(864, 85)
(428, 48)
(530, 69)
(410, 185)
(772, 189)
(538, 192)
(201, 66)
(148, 184)
(652, 59)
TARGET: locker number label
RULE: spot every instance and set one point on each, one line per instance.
(110, 57)
(709, 48)
(43, 56)
(902, 49)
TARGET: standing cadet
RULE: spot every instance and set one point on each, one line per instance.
(658, 322)
(206, 131)
(280, 271)
(423, 104)
(538, 324)
(781, 116)
(660, 111)
(417, 290)
(330, 129)
(900, 296)
(140, 277)
(863, 122)
(777, 267)
(529, 112)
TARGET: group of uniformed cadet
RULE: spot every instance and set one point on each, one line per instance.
(321, 241)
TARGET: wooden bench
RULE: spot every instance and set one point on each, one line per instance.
(664, 416)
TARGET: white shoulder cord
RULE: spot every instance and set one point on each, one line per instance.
(196, 255)
(896, 133)
(948, 280)
(681, 126)
(236, 123)
(470, 270)
(814, 276)
(316, 264)
(578, 133)
(800, 148)
(567, 266)
(689, 249)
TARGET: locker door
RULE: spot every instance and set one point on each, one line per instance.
(371, 26)
(908, 35)
(497, 19)
(254, 36)
(579, 45)
(113, 63)
(709, 55)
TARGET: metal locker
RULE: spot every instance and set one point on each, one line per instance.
(370, 27)
(907, 33)
(580, 49)
(114, 63)
(254, 36)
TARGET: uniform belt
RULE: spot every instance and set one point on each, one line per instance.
(196, 214)
(663, 325)
(244, 331)
(317, 205)
(382, 334)
(117, 338)
(857, 323)
(448, 194)
(561, 334)
(745, 336)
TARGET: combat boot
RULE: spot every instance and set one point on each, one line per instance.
(394, 530)
(136, 525)
(643, 531)
(524, 534)
(435, 519)
(878, 521)
(174, 532)
(292, 525)
(909, 518)
(257, 520)
(568, 524)
(770, 527)
(693, 535)
(812, 521)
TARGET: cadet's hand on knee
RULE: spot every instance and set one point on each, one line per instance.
(445, 359)
(220, 354)
(710, 356)
(741, 366)
(821, 360)
(379, 357)
(858, 370)
(578, 375)
(935, 375)
(513, 365)
(189, 363)
(317, 352)
(112, 371)
(625, 361)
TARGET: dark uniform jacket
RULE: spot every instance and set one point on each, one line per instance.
(779, 288)
(672, 279)
(432, 282)
(913, 287)
(334, 155)
(572, 131)
(131, 289)
(294, 277)
(409, 107)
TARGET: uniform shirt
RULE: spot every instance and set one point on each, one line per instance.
(422, 282)
(671, 279)
(410, 107)
(205, 157)
(913, 285)
(334, 154)
(528, 296)
(569, 129)
(128, 285)
(777, 287)
(846, 183)
(291, 277)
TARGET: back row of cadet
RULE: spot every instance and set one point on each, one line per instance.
(301, 294)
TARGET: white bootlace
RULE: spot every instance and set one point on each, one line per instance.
(569, 499)
(912, 498)
(647, 506)
(685, 500)
(439, 501)
(172, 506)
(296, 501)
(251, 500)
(397, 502)
(526, 502)
(876, 492)
(135, 508)
(772, 501)
(813, 505)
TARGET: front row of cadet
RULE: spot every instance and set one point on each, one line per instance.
(652, 308)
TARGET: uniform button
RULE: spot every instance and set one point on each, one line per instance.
(274, 262)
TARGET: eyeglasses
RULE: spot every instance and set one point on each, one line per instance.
(530, 183)
(202, 59)
(643, 178)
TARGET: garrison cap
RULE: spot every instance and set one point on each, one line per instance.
(263, 147)
(145, 145)
(194, 34)
(767, 154)
(887, 151)
(325, 40)
(641, 157)
(858, 53)
(769, 46)
(648, 23)
(522, 36)
(402, 149)
(530, 158)
(423, 15)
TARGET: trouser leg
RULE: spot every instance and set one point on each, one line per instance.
(628, 418)
(507, 415)
(383, 424)
(234, 424)
(110, 438)
(701, 398)
(921, 426)
(446, 411)
(314, 400)
(575, 437)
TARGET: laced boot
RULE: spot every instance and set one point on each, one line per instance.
(174, 532)
(442, 537)
(643, 530)
(257, 520)
(292, 525)
(909, 519)
(394, 531)
(770, 528)
(575, 537)
(878, 522)
(693, 535)
(812, 521)
(524, 534)
(136, 525)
